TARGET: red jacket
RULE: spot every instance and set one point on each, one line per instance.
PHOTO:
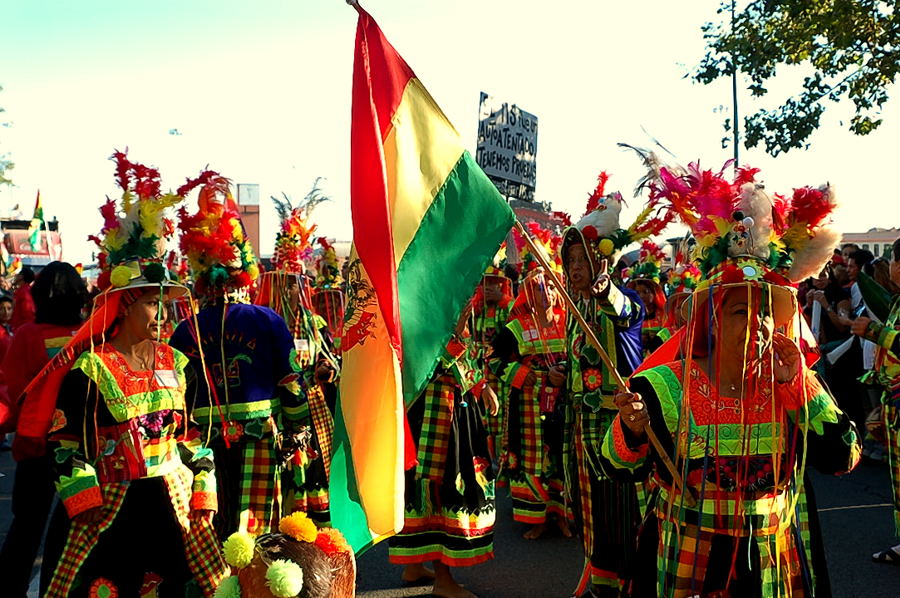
(32, 347)
(23, 307)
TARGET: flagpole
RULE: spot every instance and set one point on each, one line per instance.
(604, 356)
(355, 4)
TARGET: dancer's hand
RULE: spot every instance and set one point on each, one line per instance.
(632, 411)
(601, 284)
(529, 381)
(491, 403)
(860, 325)
(787, 358)
(557, 375)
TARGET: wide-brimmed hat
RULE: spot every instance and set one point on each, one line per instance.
(132, 242)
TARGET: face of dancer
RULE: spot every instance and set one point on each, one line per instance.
(492, 291)
(541, 297)
(675, 303)
(578, 268)
(645, 292)
(895, 271)
(6, 311)
(143, 319)
(292, 292)
(741, 312)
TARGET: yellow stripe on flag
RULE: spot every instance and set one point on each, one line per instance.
(374, 426)
(420, 151)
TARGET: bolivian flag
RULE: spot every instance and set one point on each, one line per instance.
(37, 221)
(426, 223)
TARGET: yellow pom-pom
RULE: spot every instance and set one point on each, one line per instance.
(299, 526)
(120, 276)
(606, 247)
(253, 271)
(239, 549)
(284, 578)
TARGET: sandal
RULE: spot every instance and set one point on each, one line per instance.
(889, 556)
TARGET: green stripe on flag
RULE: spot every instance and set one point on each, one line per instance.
(347, 513)
(457, 239)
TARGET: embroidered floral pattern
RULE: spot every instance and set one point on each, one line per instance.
(103, 588)
(592, 379)
(59, 421)
(233, 431)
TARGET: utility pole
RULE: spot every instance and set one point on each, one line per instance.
(734, 98)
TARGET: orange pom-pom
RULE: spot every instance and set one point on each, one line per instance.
(331, 541)
(299, 526)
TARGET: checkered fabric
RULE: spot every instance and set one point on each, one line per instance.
(434, 438)
(323, 423)
(532, 458)
(891, 414)
(260, 501)
(204, 555)
(684, 555)
(82, 539)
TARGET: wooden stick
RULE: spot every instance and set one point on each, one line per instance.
(604, 356)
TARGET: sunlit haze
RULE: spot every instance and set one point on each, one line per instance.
(261, 92)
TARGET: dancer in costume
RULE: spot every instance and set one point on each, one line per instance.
(133, 473)
(242, 386)
(741, 414)
(643, 278)
(683, 279)
(887, 371)
(532, 342)
(450, 510)
(286, 291)
(328, 296)
(607, 509)
(491, 307)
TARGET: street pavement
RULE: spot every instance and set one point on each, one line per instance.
(855, 513)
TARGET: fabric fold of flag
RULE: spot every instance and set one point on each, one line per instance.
(426, 221)
(37, 222)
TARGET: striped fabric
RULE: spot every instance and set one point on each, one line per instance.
(82, 539)
(260, 503)
(323, 423)
(434, 439)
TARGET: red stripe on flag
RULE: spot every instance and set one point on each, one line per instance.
(379, 78)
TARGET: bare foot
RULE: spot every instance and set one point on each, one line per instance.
(535, 532)
(417, 574)
(564, 528)
(450, 589)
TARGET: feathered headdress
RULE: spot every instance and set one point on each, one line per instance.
(685, 275)
(293, 242)
(328, 273)
(546, 241)
(744, 234)
(132, 242)
(213, 240)
(649, 263)
(599, 228)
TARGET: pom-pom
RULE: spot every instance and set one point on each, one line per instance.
(748, 222)
(120, 276)
(230, 587)
(284, 578)
(331, 541)
(154, 272)
(589, 232)
(239, 549)
(253, 271)
(606, 247)
(299, 526)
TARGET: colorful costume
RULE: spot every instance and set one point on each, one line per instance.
(646, 272)
(124, 446)
(887, 372)
(450, 492)
(242, 382)
(286, 290)
(608, 509)
(488, 319)
(746, 528)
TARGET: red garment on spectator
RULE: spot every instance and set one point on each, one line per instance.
(31, 349)
(23, 307)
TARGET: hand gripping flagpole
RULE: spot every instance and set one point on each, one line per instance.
(604, 356)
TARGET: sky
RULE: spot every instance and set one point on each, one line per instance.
(261, 91)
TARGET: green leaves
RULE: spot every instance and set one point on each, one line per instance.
(852, 47)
